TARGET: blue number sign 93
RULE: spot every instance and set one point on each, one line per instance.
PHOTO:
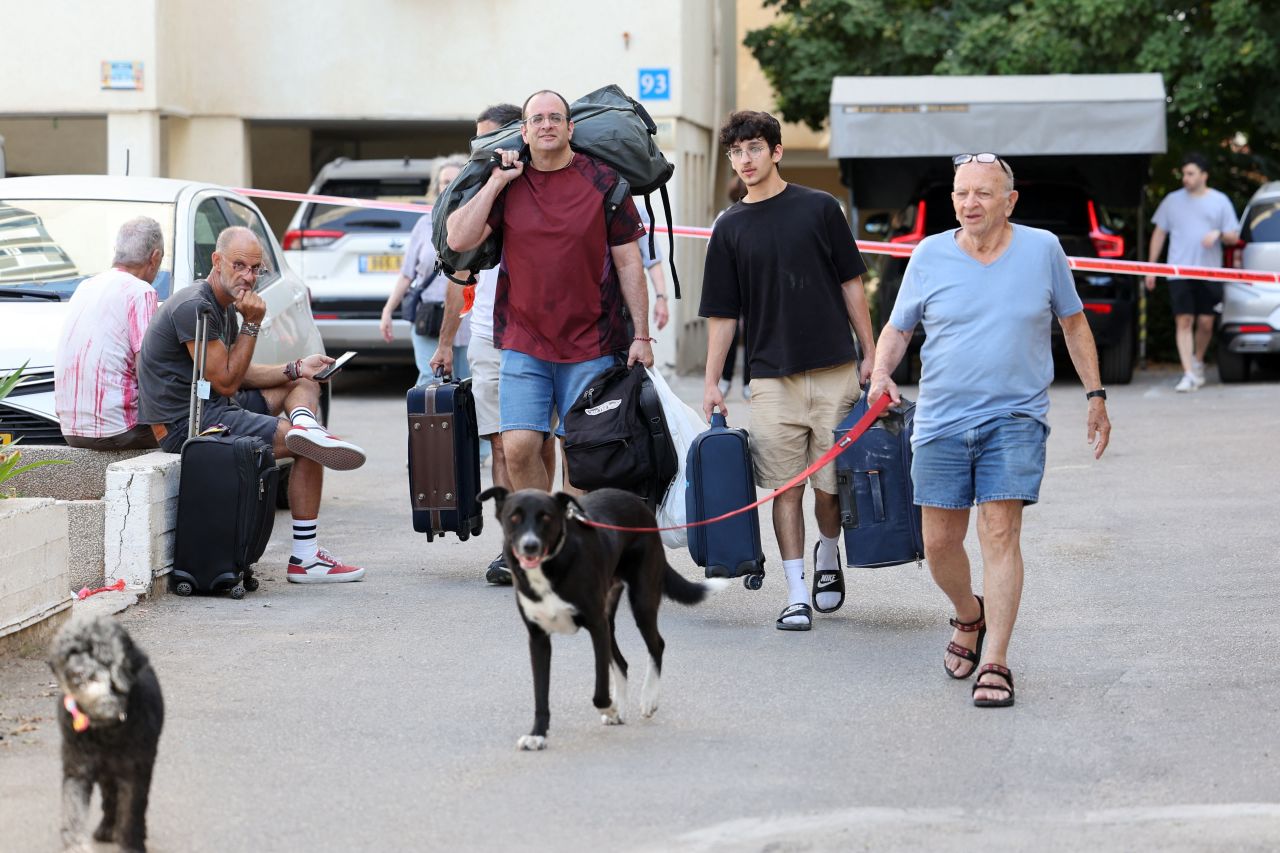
(655, 84)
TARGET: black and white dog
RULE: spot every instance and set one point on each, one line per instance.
(110, 712)
(568, 575)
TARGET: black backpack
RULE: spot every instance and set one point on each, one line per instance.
(609, 126)
(616, 436)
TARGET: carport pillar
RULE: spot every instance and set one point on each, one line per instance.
(133, 144)
(209, 148)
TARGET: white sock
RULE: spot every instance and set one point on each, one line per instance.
(302, 416)
(796, 591)
(304, 540)
(828, 553)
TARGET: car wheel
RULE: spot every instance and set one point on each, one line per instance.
(1116, 361)
(1233, 366)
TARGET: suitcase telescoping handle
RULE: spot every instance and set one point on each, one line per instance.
(718, 419)
(199, 385)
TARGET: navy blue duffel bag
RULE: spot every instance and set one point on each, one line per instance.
(880, 519)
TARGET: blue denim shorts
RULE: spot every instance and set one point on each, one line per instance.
(529, 387)
(1000, 460)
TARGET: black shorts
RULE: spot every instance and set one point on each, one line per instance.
(1195, 296)
(246, 414)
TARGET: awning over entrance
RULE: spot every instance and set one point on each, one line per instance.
(1104, 123)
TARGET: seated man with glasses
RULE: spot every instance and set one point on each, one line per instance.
(245, 398)
(986, 293)
(567, 269)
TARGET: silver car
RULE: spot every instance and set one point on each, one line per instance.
(1251, 312)
(350, 257)
(56, 231)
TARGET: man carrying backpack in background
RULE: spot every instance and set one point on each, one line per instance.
(566, 272)
(784, 259)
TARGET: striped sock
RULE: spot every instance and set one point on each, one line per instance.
(302, 416)
(304, 540)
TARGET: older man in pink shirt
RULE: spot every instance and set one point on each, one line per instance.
(95, 368)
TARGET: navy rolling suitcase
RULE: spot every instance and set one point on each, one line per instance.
(873, 475)
(226, 501)
(719, 479)
(444, 459)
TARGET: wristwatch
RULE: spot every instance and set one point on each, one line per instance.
(1101, 392)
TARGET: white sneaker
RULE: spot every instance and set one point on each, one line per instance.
(723, 385)
(329, 450)
(1197, 373)
(1187, 383)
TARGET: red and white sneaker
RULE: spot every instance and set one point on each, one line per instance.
(326, 569)
(329, 450)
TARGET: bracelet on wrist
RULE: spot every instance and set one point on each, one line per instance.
(250, 330)
(649, 340)
(659, 296)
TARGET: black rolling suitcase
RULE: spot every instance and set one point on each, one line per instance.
(444, 459)
(718, 479)
(873, 477)
(226, 500)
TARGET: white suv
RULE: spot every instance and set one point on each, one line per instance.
(350, 257)
(1251, 312)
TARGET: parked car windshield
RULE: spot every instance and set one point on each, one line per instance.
(407, 190)
(51, 245)
(1262, 225)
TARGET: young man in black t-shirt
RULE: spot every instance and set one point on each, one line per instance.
(784, 259)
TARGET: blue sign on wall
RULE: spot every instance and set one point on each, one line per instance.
(655, 84)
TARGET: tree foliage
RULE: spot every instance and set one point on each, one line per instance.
(1219, 59)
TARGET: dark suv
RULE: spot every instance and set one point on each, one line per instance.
(1066, 209)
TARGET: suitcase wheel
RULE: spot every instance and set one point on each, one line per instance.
(184, 588)
(753, 582)
(464, 535)
(251, 584)
(237, 592)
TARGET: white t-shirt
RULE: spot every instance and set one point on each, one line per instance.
(95, 379)
(482, 309)
(1188, 218)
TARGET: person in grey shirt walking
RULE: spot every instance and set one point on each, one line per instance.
(1198, 222)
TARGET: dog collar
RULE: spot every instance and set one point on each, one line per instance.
(79, 719)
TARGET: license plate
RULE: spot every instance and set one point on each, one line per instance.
(381, 263)
(6, 438)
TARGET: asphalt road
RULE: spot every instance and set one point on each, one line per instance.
(384, 715)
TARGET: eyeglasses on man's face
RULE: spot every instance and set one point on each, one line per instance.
(553, 119)
(986, 158)
(256, 270)
(751, 152)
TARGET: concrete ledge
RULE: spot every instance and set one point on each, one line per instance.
(82, 480)
(85, 562)
(33, 563)
(141, 504)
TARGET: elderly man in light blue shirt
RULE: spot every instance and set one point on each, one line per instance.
(986, 293)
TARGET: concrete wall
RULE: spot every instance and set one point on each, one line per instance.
(33, 562)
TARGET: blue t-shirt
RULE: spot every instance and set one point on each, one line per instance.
(1187, 218)
(987, 350)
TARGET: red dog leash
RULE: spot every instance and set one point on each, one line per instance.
(864, 423)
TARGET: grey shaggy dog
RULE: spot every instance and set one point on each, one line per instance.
(110, 713)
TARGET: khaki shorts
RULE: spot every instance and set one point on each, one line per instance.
(485, 362)
(793, 422)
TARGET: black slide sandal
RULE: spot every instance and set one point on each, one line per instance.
(796, 610)
(827, 580)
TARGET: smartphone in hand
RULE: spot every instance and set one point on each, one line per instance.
(337, 365)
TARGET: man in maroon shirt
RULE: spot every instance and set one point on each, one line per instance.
(566, 272)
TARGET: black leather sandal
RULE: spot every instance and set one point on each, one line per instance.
(1003, 672)
(974, 655)
(796, 610)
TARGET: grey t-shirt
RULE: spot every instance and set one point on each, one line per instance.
(1188, 218)
(164, 365)
(987, 349)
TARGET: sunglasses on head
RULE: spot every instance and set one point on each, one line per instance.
(986, 157)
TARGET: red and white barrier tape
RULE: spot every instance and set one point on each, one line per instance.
(870, 247)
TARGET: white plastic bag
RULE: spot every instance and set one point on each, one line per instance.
(685, 424)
